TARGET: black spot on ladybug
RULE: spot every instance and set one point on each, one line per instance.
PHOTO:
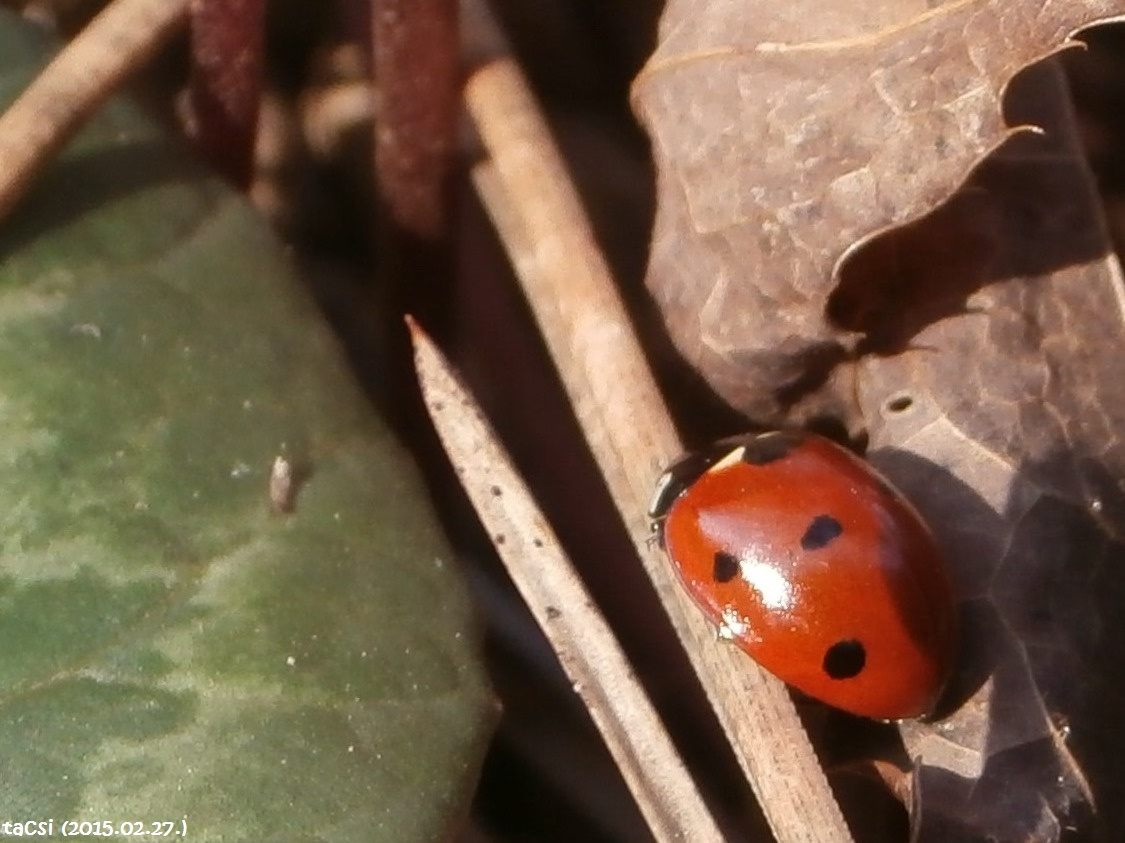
(553, 613)
(496, 491)
(762, 450)
(845, 659)
(822, 530)
(726, 567)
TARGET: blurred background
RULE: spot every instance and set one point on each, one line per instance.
(547, 777)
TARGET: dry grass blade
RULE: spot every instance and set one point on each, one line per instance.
(526, 189)
(75, 83)
(560, 603)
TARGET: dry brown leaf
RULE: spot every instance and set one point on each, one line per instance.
(786, 133)
(976, 346)
(1003, 433)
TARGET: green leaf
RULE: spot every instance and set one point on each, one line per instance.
(172, 647)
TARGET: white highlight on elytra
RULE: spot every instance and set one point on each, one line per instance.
(775, 591)
(733, 625)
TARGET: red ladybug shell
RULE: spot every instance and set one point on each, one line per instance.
(807, 559)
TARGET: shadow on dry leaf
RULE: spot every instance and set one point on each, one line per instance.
(1004, 380)
(976, 346)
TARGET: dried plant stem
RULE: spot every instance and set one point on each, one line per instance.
(416, 65)
(563, 608)
(526, 189)
(225, 90)
(75, 83)
(418, 76)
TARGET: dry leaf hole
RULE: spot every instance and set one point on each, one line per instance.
(899, 403)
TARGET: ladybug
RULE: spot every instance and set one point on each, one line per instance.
(810, 561)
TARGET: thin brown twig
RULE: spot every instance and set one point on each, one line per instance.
(525, 186)
(554, 592)
(90, 68)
